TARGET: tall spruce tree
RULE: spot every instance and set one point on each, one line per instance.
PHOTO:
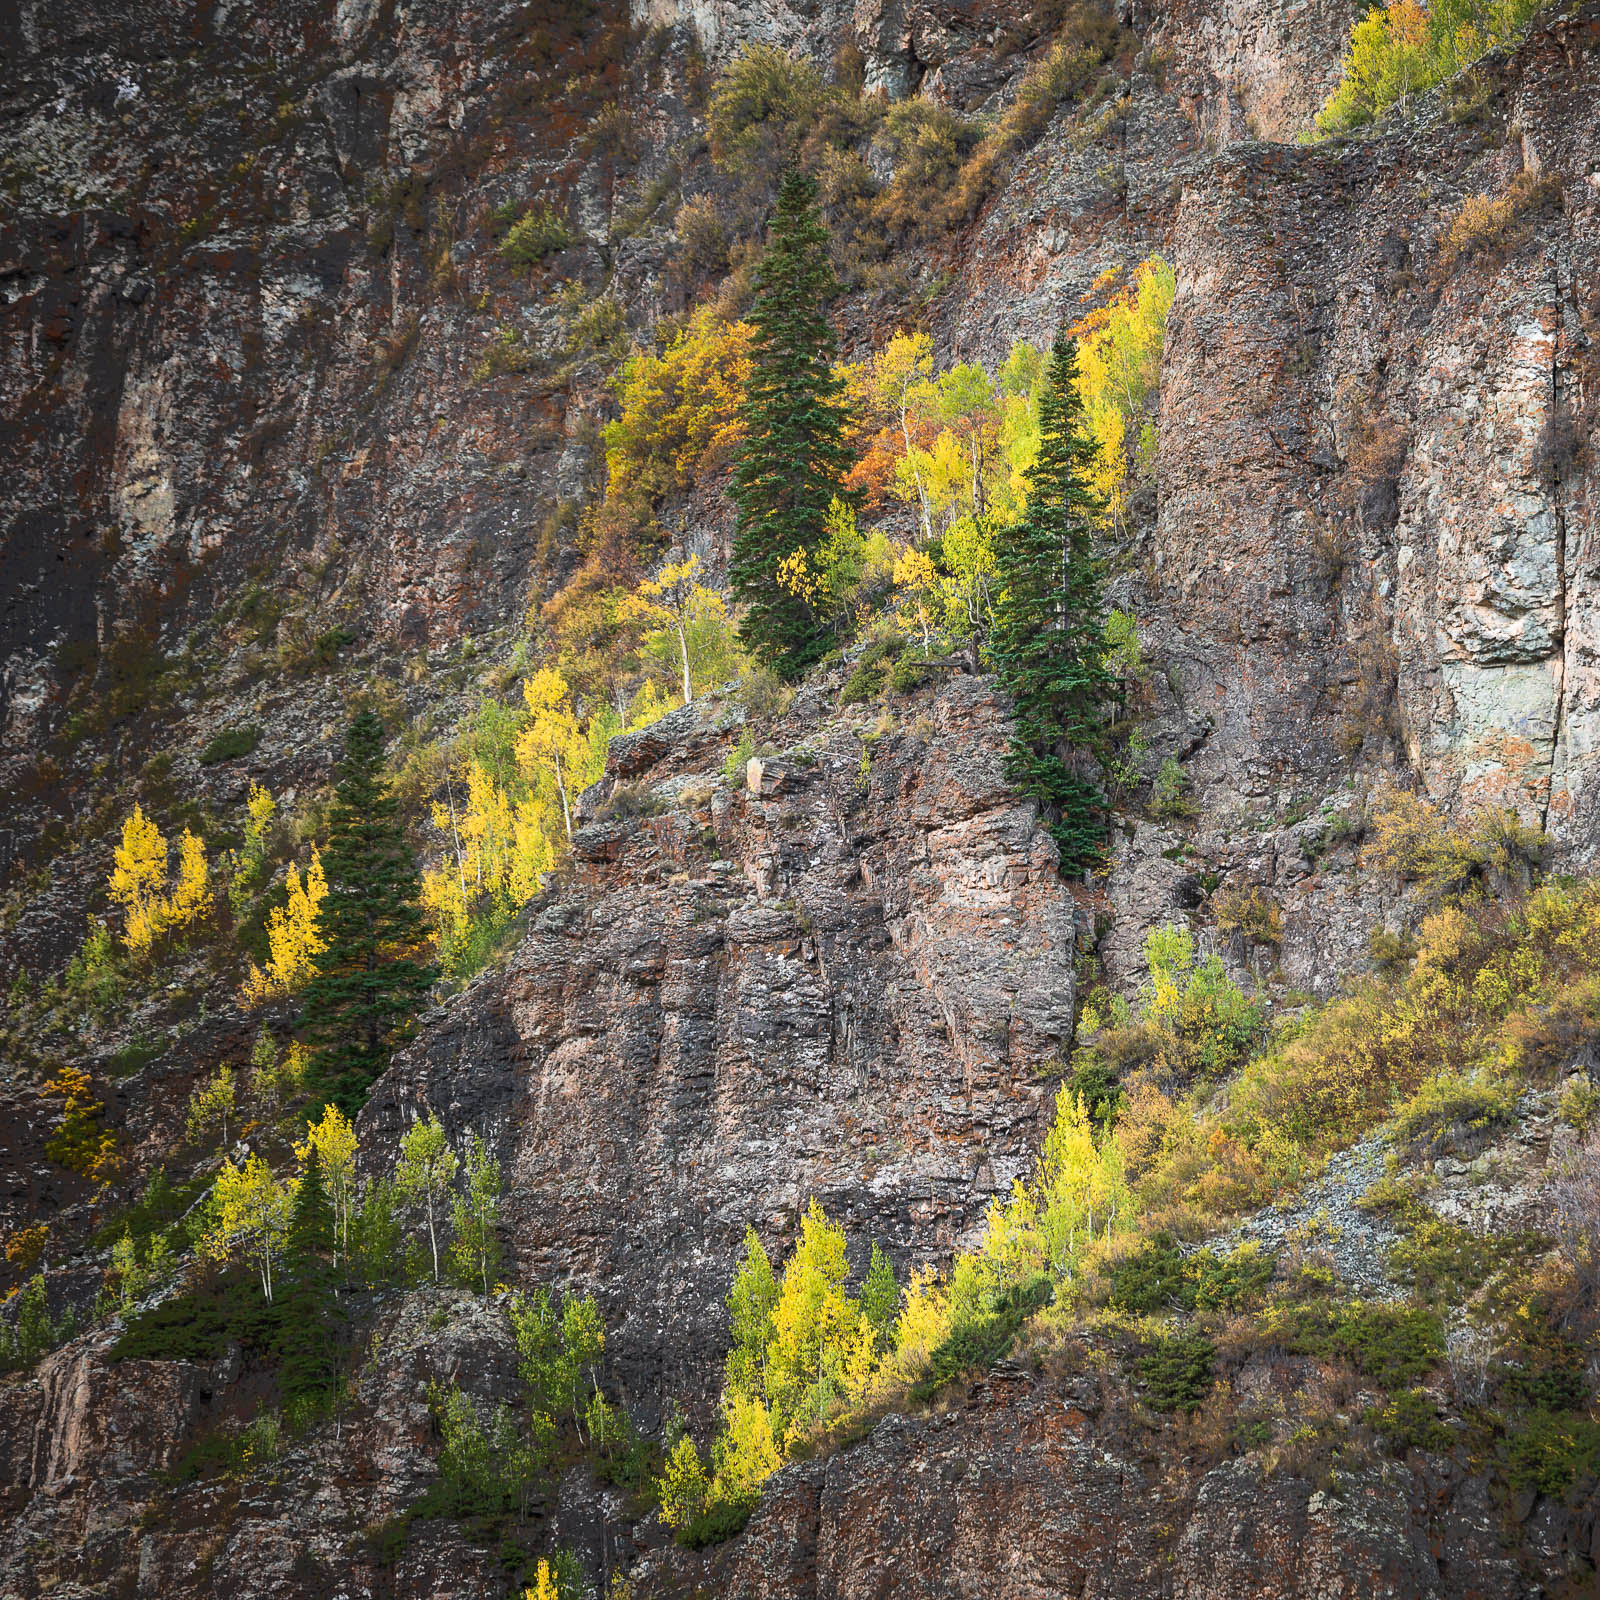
(794, 457)
(1048, 642)
(368, 979)
(311, 1320)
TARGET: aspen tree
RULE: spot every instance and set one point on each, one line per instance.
(424, 1173)
(252, 1211)
(333, 1139)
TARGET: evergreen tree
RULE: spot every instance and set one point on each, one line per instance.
(794, 457)
(880, 1297)
(312, 1321)
(1047, 643)
(368, 978)
(310, 1216)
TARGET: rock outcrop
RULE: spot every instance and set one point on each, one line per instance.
(1034, 1486)
(849, 973)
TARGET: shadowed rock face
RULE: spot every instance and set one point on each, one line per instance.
(247, 270)
(245, 280)
(1033, 1487)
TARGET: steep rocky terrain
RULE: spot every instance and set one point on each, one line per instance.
(257, 465)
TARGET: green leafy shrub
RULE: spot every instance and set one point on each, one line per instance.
(1231, 1282)
(1169, 793)
(1445, 1264)
(865, 683)
(1542, 1369)
(1496, 987)
(200, 1323)
(1551, 1451)
(231, 744)
(733, 769)
(134, 1055)
(1154, 1278)
(1094, 1080)
(538, 233)
(489, 1465)
(1176, 1371)
(385, 1541)
(1395, 1345)
(505, 352)
(1160, 1277)
(1580, 1101)
(1395, 1198)
(230, 1451)
(724, 1520)
(93, 977)
(156, 1210)
(1409, 1421)
(909, 673)
(620, 1454)
(873, 669)
(326, 646)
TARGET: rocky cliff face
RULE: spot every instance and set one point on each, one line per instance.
(847, 974)
(248, 276)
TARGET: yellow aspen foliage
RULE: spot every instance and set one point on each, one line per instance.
(262, 808)
(680, 409)
(25, 1248)
(814, 1323)
(252, 1217)
(674, 600)
(1400, 50)
(683, 1487)
(648, 705)
(334, 1140)
(138, 879)
(481, 831)
(746, 1453)
(916, 586)
(191, 892)
(293, 942)
(1080, 1185)
(80, 1143)
(138, 882)
(544, 1584)
(248, 863)
(889, 395)
(796, 574)
(1119, 369)
(445, 901)
(532, 852)
(553, 745)
(847, 569)
(924, 1320)
(494, 846)
(936, 478)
